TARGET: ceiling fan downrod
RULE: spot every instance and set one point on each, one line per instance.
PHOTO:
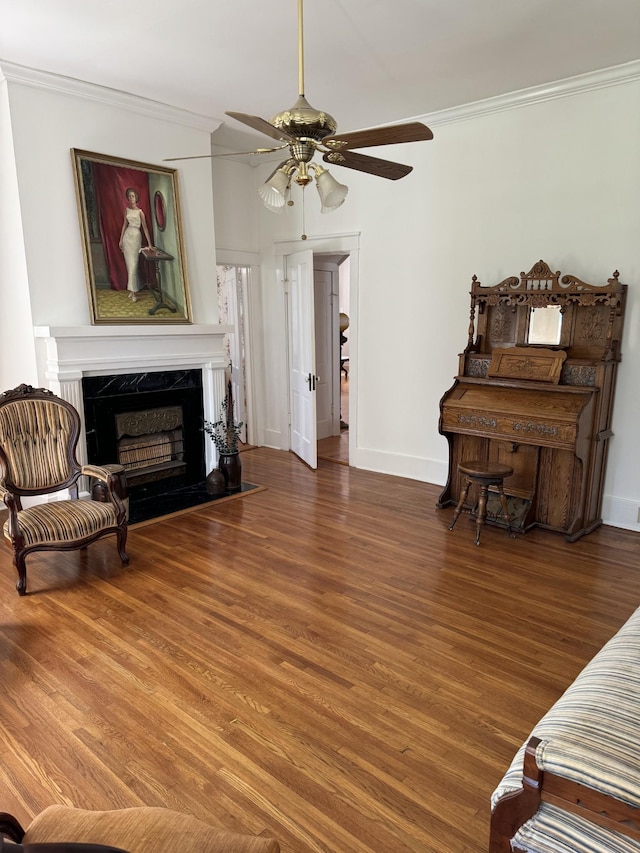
(300, 51)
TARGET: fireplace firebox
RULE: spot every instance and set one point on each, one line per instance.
(151, 423)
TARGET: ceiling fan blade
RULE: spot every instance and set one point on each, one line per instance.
(192, 157)
(365, 163)
(228, 154)
(414, 131)
(255, 151)
(262, 126)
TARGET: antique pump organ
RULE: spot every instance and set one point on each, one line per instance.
(535, 391)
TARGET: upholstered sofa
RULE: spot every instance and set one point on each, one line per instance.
(134, 830)
(574, 785)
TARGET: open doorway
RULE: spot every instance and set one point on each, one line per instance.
(232, 286)
(305, 307)
(331, 276)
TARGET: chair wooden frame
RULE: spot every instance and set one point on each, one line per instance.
(28, 403)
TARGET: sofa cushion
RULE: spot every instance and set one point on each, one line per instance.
(141, 830)
(554, 830)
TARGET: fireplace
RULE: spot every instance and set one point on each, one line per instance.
(151, 423)
(151, 443)
(136, 370)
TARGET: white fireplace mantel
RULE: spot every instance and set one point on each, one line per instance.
(72, 352)
(67, 353)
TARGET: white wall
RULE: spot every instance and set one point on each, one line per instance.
(236, 211)
(555, 178)
(17, 354)
(50, 116)
(495, 191)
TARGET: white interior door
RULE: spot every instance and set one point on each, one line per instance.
(302, 357)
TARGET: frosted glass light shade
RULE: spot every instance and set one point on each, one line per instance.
(274, 191)
(332, 193)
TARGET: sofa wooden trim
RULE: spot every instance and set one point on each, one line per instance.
(538, 786)
(574, 784)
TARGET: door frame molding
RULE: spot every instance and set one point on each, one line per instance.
(348, 244)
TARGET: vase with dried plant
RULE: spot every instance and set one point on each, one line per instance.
(225, 434)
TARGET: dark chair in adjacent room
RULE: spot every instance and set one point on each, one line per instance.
(38, 438)
(484, 475)
(144, 829)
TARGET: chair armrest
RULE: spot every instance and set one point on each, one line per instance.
(111, 486)
(5, 494)
(100, 472)
(14, 505)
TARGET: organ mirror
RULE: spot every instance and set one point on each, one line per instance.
(545, 325)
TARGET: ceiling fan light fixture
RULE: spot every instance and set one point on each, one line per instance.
(332, 193)
(274, 192)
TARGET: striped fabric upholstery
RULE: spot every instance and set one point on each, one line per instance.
(38, 439)
(554, 830)
(34, 435)
(591, 736)
(64, 521)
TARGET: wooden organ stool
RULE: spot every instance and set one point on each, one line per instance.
(484, 475)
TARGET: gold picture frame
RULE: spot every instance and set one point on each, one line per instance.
(131, 229)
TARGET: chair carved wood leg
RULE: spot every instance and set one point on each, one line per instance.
(21, 568)
(122, 542)
(10, 827)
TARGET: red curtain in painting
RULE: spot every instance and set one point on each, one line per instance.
(110, 184)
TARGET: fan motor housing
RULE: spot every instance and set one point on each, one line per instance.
(303, 120)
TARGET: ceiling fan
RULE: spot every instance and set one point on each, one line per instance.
(306, 131)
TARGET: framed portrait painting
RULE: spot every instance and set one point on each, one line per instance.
(132, 240)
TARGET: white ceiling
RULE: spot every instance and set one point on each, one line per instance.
(367, 62)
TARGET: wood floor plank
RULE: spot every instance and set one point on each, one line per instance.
(322, 661)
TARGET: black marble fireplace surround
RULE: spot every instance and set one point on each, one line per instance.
(106, 397)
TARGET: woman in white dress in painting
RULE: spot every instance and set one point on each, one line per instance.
(131, 240)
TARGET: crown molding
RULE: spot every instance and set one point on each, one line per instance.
(21, 74)
(629, 72)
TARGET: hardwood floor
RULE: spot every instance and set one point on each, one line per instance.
(336, 447)
(321, 661)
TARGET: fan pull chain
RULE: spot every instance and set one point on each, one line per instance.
(303, 236)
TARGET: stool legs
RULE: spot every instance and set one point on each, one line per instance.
(463, 497)
(482, 510)
(481, 516)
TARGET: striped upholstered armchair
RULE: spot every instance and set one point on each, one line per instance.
(38, 438)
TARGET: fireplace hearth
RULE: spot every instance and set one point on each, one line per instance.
(151, 423)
